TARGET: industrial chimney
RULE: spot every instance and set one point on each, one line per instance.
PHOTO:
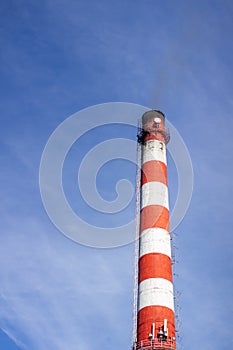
(155, 305)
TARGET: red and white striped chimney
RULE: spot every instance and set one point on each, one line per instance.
(155, 319)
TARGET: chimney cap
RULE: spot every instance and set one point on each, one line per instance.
(152, 114)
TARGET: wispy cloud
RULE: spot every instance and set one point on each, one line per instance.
(54, 295)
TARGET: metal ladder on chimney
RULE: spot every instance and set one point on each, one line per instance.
(136, 243)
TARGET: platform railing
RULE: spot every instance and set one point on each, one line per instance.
(155, 345)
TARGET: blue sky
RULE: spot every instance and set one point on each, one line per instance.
(58, 57)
